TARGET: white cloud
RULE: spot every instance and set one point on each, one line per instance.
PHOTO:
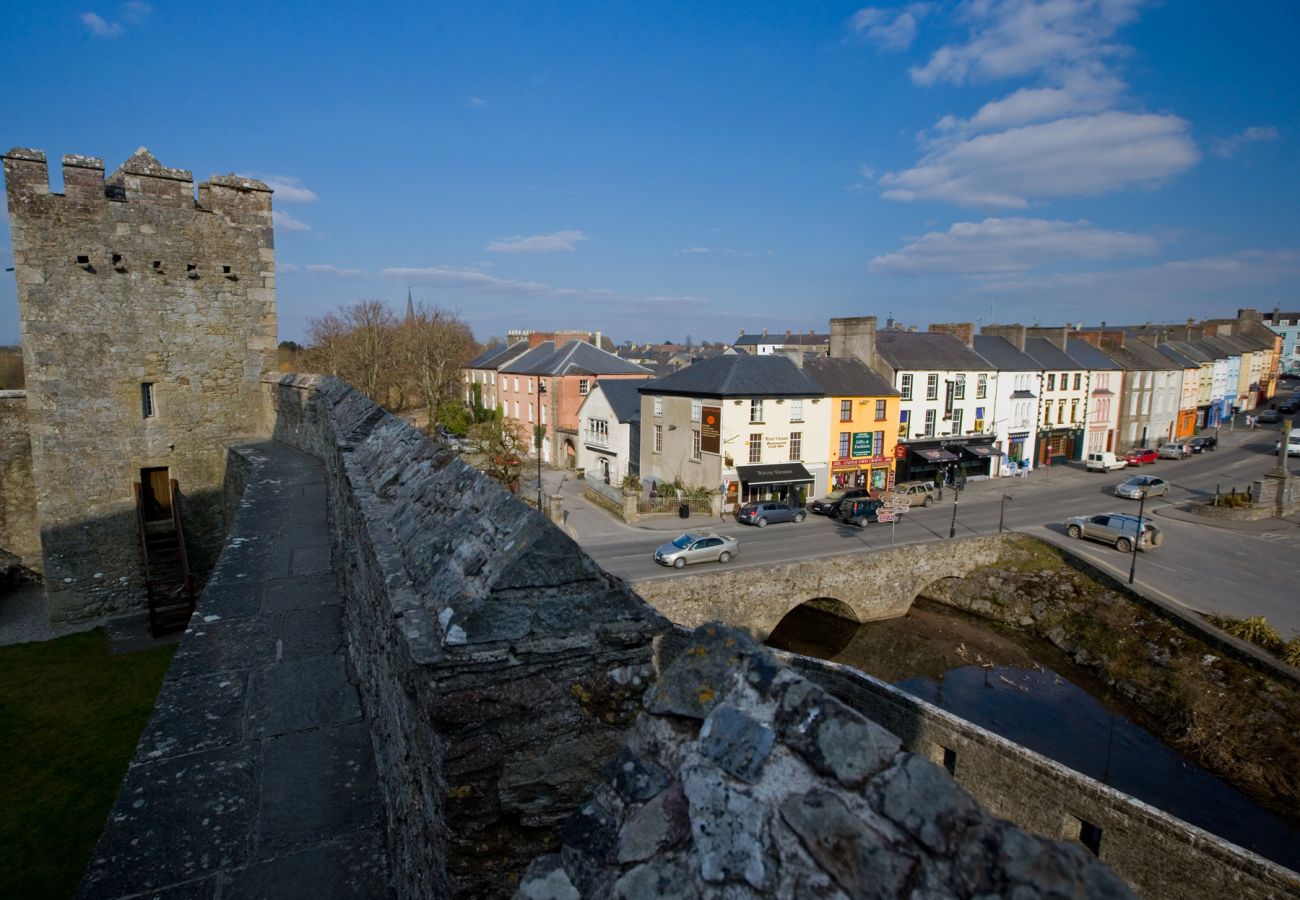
(285, 268)
(1022, 37)
(1228, 147)
(556, 242)
(99, 27)
(1159, 285)
(891, 29)
(481, 282)
(287, 189)
(1082, 155)
(333, 271)
(1025, 105)
(136, 10)
(475, 102)
(725, 251)
(288, 222)
(1009, 245)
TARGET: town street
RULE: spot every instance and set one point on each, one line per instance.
(1250, 569)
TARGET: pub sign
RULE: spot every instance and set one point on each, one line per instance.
(711, 429)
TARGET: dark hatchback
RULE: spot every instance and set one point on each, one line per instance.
(1201, 444)
(761, 514)
(830, 504)
(860, 511)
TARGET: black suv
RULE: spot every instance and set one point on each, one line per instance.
(830, 504)
(1201, 444)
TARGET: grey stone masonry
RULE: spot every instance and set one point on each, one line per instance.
(744, 779)
(19, 535)
(255, 776)
(499, 666)
(147, 319)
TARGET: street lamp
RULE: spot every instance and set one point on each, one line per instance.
(956, 495)
(1002, 513)
(1142, 503)
(539, 432)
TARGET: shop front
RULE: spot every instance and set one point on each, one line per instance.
(873, 472)
(1018, 450)
(788, 482)
(1059, 446)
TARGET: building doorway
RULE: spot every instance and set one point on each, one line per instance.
(155, 494)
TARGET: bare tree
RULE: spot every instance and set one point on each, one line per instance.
(503, 445)
(431, 350)
(357, 345)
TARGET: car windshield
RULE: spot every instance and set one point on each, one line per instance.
(684, 541)
(1136, 481)
(835, 495)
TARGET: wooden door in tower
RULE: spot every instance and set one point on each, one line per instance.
(155, 494)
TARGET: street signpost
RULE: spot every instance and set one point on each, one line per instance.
(895, 506)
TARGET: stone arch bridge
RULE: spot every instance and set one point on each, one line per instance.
(860, 586)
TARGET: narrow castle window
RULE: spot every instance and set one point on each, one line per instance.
(225, 270)
(157, 266)
(146, 399)
(83, 260)
(118, 265)
(191, 270)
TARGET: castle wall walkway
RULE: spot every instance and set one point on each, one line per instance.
(255, 776)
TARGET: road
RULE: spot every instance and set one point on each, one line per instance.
(1204, 567)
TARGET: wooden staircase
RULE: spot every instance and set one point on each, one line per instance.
(167, 578)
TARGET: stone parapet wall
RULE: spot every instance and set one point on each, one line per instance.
(744, 779)
(1159, 855)
(20, 535)
(499, 666)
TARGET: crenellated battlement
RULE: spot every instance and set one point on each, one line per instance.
(139, 179)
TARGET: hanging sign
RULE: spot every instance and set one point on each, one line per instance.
(711, 429)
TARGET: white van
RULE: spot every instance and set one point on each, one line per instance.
(1104, 461)
(1293, 443)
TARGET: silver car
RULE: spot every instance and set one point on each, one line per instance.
(1174, 450)
(1135, 486)
(693, 548)
(1117, 529)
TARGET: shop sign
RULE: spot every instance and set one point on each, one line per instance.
(900, 451)
(711, 429)
(840, 465)
(862, 443)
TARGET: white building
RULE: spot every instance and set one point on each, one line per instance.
(609, 420)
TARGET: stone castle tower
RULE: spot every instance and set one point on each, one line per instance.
(147, 320)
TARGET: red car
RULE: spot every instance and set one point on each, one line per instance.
(1140, 456)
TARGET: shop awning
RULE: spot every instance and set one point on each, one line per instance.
(785, 473)
(934, 455)
(982, 451)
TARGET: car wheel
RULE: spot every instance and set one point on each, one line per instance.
(929, 501)
(1124, 545)
(761, 523)
(1074, 531)
(724, 556)
(679, 563)
(798, 517)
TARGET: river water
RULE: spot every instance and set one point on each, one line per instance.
(987, 677)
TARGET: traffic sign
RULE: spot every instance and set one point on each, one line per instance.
(901, 503)
(884, 515)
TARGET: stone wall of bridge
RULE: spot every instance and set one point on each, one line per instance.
(869, 586)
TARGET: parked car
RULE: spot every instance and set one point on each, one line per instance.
(830, 504)
(1288, 407)
(1269, 417)
(1203, 443)
(1117, 529)
(693, 548)
(1175, 450)
(1293, 442)
(921, 492)
(1104, 461)
(761, 514)
(1140, 456)
(860, 511)
(1133, 488)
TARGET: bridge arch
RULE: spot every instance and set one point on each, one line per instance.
(864, 586)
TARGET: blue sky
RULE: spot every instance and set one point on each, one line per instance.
(658, 170)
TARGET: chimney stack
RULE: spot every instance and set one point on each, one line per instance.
(1056, 335)
(1014, 334)
(854, 338)
(962, 331)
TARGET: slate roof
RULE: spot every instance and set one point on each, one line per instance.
(842, 377)
(502, 355)
(1089, 356)
(927, 350)
(1004, 355)
(573, 358)
(792, 339)
(738, 376)
(1050, 357)
(1137, 356)
(1178, 358)
(1188, 350)
(624, 397)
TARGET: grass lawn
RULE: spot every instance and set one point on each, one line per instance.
(70, 716)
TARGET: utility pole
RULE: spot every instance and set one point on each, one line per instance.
(1142, 503)
(539, 434)
(1002, 513)
(956, 495)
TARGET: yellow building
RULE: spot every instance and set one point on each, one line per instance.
(863, 422)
